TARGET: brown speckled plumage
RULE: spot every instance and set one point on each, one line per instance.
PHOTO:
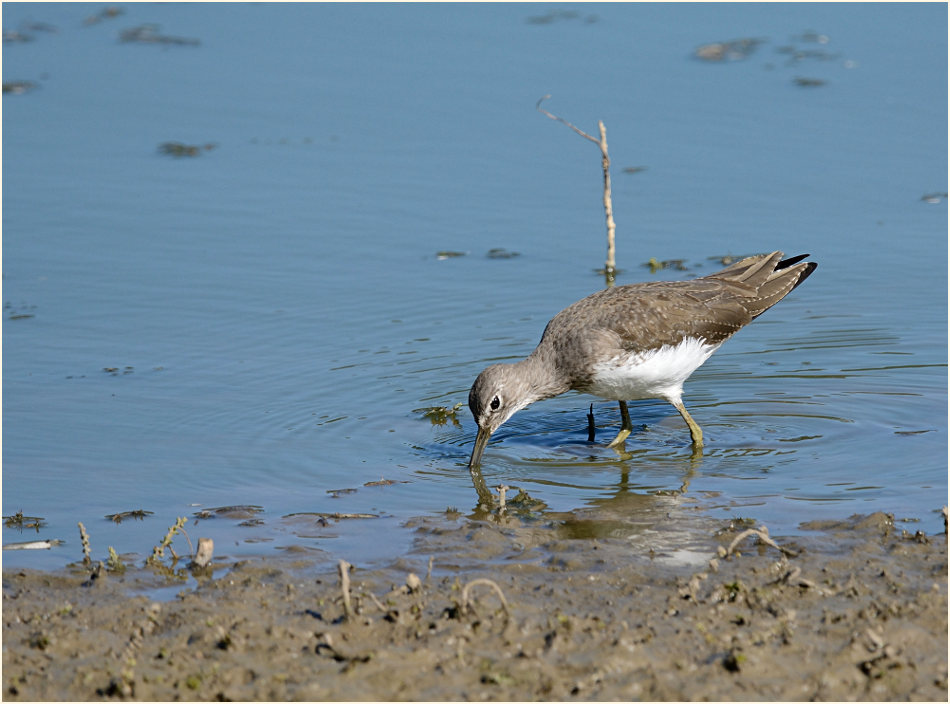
(624, 324)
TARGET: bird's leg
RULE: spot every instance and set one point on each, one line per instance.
(694, 430)
(626, 427)
(591, 430)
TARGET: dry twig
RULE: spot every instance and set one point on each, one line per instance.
(502, 490)
(205, 552)
(610, 268)
(377, 602)
(762, 533)
(344, 567)
(467, 606)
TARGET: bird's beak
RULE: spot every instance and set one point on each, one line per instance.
(481, 440)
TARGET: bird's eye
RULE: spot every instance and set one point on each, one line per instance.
(495, 403)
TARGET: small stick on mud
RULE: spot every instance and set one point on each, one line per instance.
(205, 552)
(466, 605)
(86, 551)
(762, 533)
(610, 269)
(429, 571)
(344, 568)
(377, 602)
(502, 489)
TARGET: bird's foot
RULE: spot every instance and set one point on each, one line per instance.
(621, 437)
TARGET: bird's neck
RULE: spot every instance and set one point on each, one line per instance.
(542, 376)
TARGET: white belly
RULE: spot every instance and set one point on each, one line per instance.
(659, 373)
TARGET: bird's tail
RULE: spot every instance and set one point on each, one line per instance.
(768, 277)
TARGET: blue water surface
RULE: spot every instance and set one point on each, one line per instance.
(264, 322)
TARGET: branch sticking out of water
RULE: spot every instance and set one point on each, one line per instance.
(610, 269)
(86, 551)
(204, 553)
(158, 552)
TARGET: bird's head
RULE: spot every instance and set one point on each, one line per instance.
(497, 394)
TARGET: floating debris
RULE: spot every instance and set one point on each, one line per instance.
(727, 259)
(501, 253)
(655, 266)
(33, 545)
(633, 169)
(734, 50)
(558, 15)
(116, 371)
(11, 36)
(19, 521)
(796, 54)
(552, 16)
(808, 82)
(381, 482)
(934, 197)
(240, 511)
(149, 34)
(106, 13)
(812, 37)
(40, 27)
(19, 87)
(18, 313)
(337, 493)
(448, 254)
(177, 149)
(440, 415)
(138, 514)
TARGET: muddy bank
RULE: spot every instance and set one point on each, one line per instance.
(574, 609)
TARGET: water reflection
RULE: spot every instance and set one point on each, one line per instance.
(685, 465)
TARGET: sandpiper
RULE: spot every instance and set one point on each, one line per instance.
(635, 341)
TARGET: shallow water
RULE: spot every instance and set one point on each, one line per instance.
(273, 312)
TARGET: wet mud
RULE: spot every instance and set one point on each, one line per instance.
(583, 606)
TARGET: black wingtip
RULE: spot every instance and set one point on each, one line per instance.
(808, 270)
(791, 261)
(785, 263)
